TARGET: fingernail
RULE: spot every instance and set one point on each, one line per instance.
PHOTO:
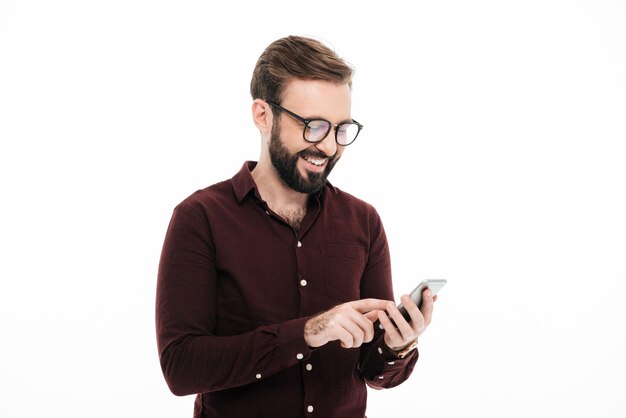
(390, 306)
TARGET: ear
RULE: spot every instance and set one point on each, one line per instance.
(262, 115)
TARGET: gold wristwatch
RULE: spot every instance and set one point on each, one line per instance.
(403, 352)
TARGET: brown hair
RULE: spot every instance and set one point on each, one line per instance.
(295, 57)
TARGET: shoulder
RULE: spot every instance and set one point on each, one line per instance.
(339, 199)
(214, 193)
(339, 196)
(225, 194)
(208, 199)
(202, 203)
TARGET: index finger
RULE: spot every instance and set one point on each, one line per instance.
(367, 305)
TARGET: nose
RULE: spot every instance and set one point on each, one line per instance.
(328, 145)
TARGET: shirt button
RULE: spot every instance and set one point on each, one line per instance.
(267, 212)
(381, 377)
(391, 363)
(302, 282)
(309, 408)
(380, 350)
(299, 244)
(299, 356)
(309, 367)
(258, 375)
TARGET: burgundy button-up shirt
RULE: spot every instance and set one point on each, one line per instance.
(236, 285)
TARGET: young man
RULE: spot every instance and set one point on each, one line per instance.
(270, 283)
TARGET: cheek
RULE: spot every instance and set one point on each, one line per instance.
(293, 142)
(291, 132)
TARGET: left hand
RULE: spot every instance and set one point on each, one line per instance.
(406, 331)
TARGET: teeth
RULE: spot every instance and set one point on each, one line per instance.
(317, 162)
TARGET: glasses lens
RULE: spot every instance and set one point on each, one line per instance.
(316, 130)
(347, 132)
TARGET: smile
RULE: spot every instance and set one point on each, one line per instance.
(316, 161)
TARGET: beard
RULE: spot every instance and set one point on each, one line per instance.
(286, 165)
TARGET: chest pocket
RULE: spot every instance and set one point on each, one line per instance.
(343, 267)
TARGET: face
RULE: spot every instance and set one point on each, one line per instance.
(304, 166)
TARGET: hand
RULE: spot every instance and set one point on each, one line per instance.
(352, 323)
(407, 332)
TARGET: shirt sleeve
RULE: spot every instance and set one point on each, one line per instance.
(383, 370)
(193, 358)
(379, 368)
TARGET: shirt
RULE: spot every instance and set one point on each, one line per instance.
(236, 285)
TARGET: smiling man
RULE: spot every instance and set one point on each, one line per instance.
(270, 283)
(298, 162)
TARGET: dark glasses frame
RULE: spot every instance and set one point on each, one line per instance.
(306, 123)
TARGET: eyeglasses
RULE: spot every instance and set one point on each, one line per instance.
(315, 130)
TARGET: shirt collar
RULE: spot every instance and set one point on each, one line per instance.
(243, 183)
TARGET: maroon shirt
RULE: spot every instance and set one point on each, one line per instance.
(236, 285)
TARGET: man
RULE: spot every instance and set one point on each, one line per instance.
(270, 283)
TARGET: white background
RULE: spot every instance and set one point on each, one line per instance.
(494, 149)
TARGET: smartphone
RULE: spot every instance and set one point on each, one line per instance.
(416, 295)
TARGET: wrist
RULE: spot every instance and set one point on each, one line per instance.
(403, 351)
(313, 331)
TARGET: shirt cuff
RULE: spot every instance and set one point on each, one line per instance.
(389, 357)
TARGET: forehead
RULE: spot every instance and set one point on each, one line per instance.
(320, 98)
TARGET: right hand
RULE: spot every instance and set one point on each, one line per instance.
(352, 323)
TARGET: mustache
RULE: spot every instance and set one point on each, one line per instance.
(315, 153)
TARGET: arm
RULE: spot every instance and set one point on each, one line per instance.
(193, 358)
(379, 366)
(398, 345)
